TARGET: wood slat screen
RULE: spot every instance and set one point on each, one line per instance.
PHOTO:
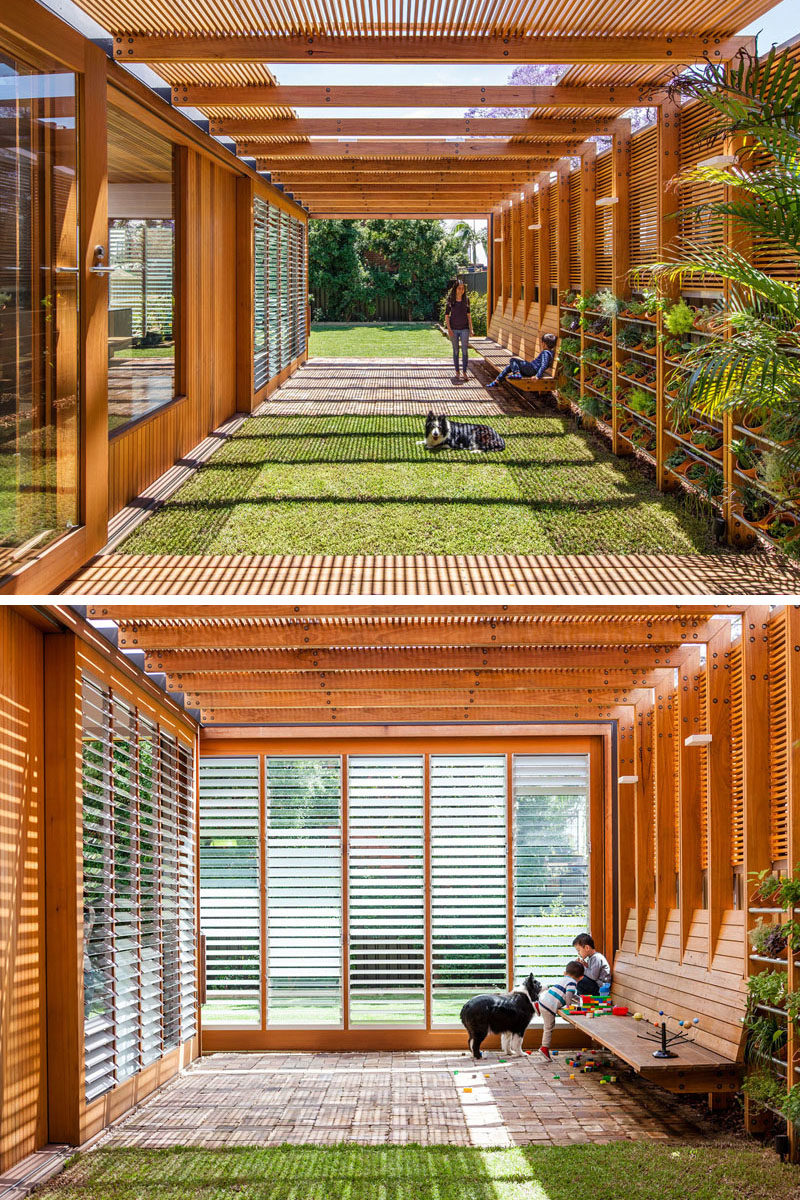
(677, 737)
(505, 247)
(643, 190)
(468, 880)
(737, 758)
(386, 889)
(778, 740)
(552, 241)
(550, 859)
(304, 891)
(230, 889)
(767, 253)
(700, 228)
(603, 234)
(575, 229)
(703, 769)
(279, 290)
(138, 890)
(533, 219)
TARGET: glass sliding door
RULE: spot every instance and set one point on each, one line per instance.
(468, 880)
(230, 889)
(39, 297)
(386, 887)
(551, 860)
(304, 891)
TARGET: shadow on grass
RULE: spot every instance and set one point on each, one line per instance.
(620, 1170)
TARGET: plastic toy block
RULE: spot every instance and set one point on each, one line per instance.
(455, 1072)
(503, 1060)
(556, 1077)
(467, 1089)
(572, 1076)
(613, 1079)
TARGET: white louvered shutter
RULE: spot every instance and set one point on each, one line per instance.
(468, 880)
(386, 884)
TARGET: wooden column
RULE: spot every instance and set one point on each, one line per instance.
(644, 817)
(793, 711)
(690, 721)
(588, 217)
(562, 226)
(245, 267)
(490, 261)
(665, 783)
(627, 764)
(544, 245)
(515, 223)
(64, 890)
(620, 213)
(755, 748)
(667, 165)
(720, 876)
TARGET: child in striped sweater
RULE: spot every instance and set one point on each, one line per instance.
(554, 997)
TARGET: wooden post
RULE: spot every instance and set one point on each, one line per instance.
(562, 226)
(64, 891)
(644, 818)
(719, 784)
(588, 217)
(626, 819)
(690, 721)
(668, 165)
(544, 248)
(620, 213)
(793, 712)
(665, 783)
(490, 261)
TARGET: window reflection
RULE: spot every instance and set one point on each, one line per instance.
(141, 254)
(39, 434)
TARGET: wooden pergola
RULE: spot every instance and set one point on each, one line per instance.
(218, 57)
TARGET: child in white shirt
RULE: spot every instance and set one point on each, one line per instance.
(553, 998)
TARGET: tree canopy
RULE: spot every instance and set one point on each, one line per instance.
(355, 263)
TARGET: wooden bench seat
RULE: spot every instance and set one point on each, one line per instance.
(498, 357)
(695, 1069)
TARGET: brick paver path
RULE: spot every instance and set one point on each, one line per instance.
(429, 1097)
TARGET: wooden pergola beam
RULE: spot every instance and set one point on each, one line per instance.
(175, 663)
(397, 145)
(412, 698)
(301, 48)
(513, 169)
(600, 680)
(298, 127)
(322, 715)
(489, 631)
(376, 96)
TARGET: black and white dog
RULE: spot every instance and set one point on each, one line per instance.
(441, 433)
(506, 1013)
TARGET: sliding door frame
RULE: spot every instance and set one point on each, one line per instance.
(594, 739)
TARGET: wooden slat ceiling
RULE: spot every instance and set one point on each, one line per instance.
(231, 47)
(306, 664)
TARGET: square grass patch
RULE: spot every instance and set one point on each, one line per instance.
(366, 485)
(616, 1171)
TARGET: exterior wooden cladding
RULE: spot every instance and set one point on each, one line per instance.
(210, 324)
(23, 1076)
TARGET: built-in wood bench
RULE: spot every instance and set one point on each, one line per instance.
(498, 357)
(694, 1069)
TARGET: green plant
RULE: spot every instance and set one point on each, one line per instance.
(714, 483)
(568, 297)
(764, 1089)
(779, 529)
(651, 302)
(707, 439)
(768, 939)
(774, 472)
(674, 348)
(745, 454)
(570, 345)
(649, 339)
(642, 402)
(788, 892)
(790, 1105)
(697, 471)
(765, 886)
(793, 1006)
(608, 304)
(591, 405)
(629, 336)
(767, 987)
(679, 318)
(601, 328)
(766, 1037)
(676, 458)
(755, 504)
(755, 102)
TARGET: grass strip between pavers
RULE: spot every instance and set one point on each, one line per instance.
(365, 485)
(643, 1170)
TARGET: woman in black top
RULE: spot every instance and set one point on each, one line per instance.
(459, 323)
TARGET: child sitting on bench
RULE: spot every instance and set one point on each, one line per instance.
(553, 998)
(596, 969)
(518, 368)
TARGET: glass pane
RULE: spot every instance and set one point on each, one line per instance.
(141, 253)
(39, 436)
(468, 880)
(386, 888)
(551, 860)
(230, 889)
(304, 891)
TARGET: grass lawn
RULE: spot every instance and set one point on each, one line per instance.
(363, 485)
(399, 340)
(618, 1171)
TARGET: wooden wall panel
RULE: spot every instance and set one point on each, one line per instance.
(23, 1108)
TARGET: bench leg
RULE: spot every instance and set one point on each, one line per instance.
(719, 1101)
